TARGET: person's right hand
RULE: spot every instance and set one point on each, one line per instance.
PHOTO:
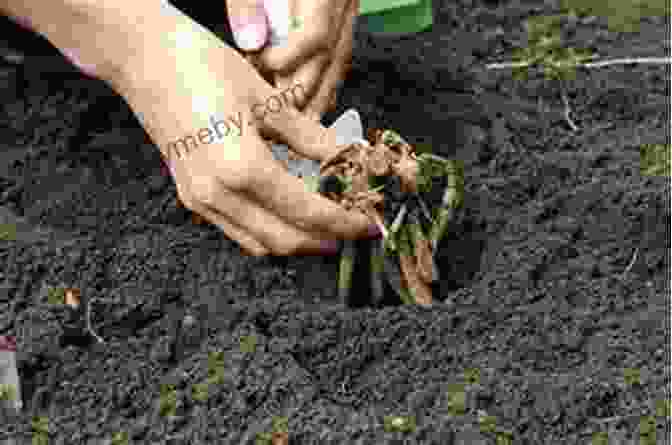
(184, 78)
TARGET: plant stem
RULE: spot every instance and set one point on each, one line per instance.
(377, 263)
(452, 199)
(345, 270)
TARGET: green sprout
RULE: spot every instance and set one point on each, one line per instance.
(457, 400)
(120, 438)
(399, 424)
(248, 343)
(280, 424)
(199, 392)
(429, 167)
(621, 15)
(216, 368)
(547, 50)
(265, 438)
(453, 198)
(647, 430)
(631, 376)
(600, 438)
(56, 295)
(472, 376)
(654, 159)
(168, 400)
(40, 426)
(7, 232)
(487, 423)
(504, 438)
(663, 408)
(392, 138)
(7, 391)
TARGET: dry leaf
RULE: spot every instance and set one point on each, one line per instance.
(419, 289)
(280, 438)
(72, 297)
(425, 259)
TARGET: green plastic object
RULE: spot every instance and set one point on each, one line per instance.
(396, 17)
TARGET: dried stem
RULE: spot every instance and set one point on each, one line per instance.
(599, 64)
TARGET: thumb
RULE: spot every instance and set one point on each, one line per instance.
(248, 23)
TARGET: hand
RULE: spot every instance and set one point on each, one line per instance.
(318, 51)
(195, 97)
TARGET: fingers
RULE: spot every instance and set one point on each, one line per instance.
(308, 76)
(248, 23)
(286, 196)
(325, 98)
(263, 231)
(234, 232)
(311, 33)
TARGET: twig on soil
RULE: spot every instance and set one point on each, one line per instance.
(632, 263)
(568, 112)
(598, 64)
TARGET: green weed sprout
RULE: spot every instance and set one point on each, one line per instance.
(7, 391)
(654, 159)
(199, 392)
(457, 400)
(400, 424)
(647, 430)
(472, 376)
(40, 426)
(248, 343)
(7, 232)
(504, 438)
(216, 368)
(631, 376)
(56, 295)
(168, 400)
(663, 408)
(453, 199)
(280, 424)
(547, 50)
(488, 424)
(600, 438)
(265, 438)
(621, 15)
(120, 438)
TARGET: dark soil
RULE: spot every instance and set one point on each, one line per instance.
(537, 289)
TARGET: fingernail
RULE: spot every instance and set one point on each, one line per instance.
(73, 57)
(373, 231)
(329, 247)
(250, 31)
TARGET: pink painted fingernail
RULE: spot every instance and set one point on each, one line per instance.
(373, 232)
(251, 30)
(23, 22)
(73, 57)
(330, 247)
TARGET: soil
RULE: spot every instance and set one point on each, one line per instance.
(539, 288)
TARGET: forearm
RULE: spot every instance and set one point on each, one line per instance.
(101, 33)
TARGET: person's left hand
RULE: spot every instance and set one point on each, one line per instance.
(315, 55)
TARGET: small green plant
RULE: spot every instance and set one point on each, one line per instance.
(7, 232)
(7, 392)
(168, 400)
(399, 424)
(654, 159)
(472, 376)
(663, 408)
(600, 438)
(56, 295)
(248, 343)
(264, 438)
(621, 15)
(280, 424)
(120, 438)
(547, 50)
(647, 430)
(216, 368)
(631, 376)
(487, 423)
(40, 426)
(457, 400)
(199, 392)
(504, 438)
